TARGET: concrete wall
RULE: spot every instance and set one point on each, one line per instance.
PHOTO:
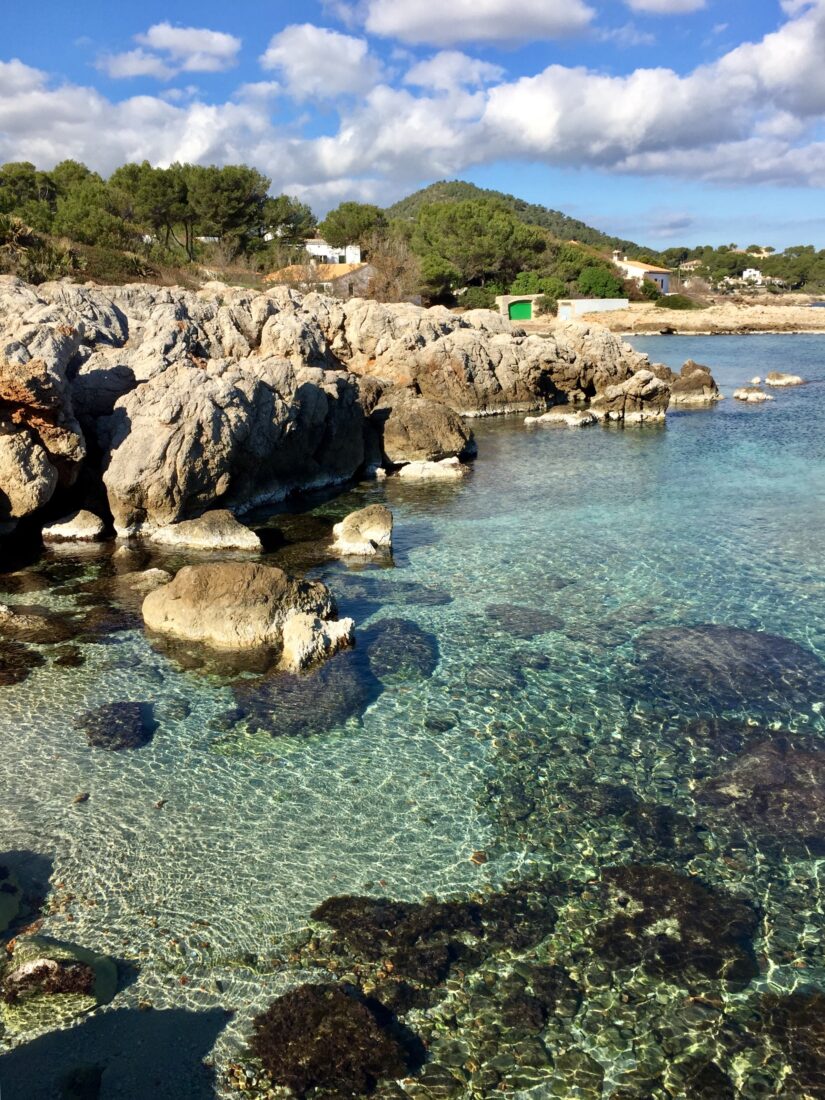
(570, 308)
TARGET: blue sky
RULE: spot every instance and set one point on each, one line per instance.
(664, 121)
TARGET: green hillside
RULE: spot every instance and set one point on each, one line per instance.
(560, 225)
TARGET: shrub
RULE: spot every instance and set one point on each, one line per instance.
(678, 301)
(478, 297)
(650, 291)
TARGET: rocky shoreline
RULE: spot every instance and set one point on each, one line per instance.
(719, 319)
(147, 406)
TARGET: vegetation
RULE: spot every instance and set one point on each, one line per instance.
(451, 242)
(678, 301)
(558, 225)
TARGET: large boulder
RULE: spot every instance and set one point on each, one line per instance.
(82, 526)
(642, 397)
(693, 385)
(233, 605)
(364, 533)
(215, 530)
(238, 433)
(27, 477)
(420, 430)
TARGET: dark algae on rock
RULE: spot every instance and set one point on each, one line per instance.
(329, 1042)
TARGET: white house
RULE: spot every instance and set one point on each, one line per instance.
(326, 254)
(639, 272)
(753, 276)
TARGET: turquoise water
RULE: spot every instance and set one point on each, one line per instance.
(562, 710)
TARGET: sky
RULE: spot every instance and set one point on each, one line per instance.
(662, 121)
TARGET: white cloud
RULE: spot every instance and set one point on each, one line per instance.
(193, 49)
(319, 63)
(430, 22)
(172, 50)
(750, 117)
(452, 69)
(666, 7)
(134, 63)
(627, 36)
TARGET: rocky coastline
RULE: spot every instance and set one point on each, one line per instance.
(147, 406)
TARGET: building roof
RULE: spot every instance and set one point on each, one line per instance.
(313, 273)
(646, 267)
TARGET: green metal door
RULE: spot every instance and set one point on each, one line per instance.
(521, 311)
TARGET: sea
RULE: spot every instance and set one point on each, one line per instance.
(594, 666)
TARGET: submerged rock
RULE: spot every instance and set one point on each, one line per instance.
(215, 530)
(233, 605)
(16, 662)
(364, 533)
(119, 726)
(80, 526)
(326, 1040)
(46, 984)
(521, 621)
(424, 941)
(775, 789)
(716, 667)
(795, 1023)
(287, 704)
(38, 625)
(398, 650)
(674, 926)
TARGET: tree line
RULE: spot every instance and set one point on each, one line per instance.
(439, 244)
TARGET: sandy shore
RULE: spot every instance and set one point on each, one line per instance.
(720, 318)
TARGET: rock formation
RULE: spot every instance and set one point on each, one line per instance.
(82, 526)
(751, 394)
(215, 530)
(364, 533)
(186, 401)
(233, 605)
(778, 379)
(642, 397)
(693, 385)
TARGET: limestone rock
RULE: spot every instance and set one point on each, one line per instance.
(751, 394)
(215, 530)
(119, 726)
(233, 605)
(421, 430)
(448, 469)
(308, 640)
(46, 984)
(192, 436)
(364, 533)
(564, 415)
(27, 477)
(777, 378)
(694, 385)
(642, 397)
(80, 526)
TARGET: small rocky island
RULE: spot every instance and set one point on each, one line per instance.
(146, 406)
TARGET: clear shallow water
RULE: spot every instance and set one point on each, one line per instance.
(557, 747)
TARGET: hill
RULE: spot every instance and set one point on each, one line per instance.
(560, 225)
